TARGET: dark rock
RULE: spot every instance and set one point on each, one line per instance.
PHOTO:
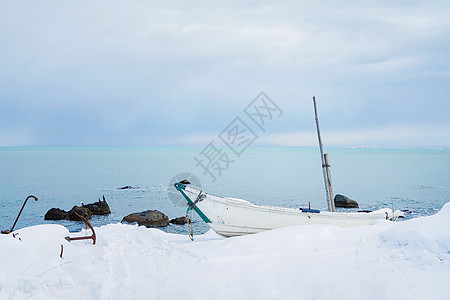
(179, 221)
(148, 218)
(55, 214)
(343, 201)
(80, 210)
(99, 208)
(184, 181)
(127, 187)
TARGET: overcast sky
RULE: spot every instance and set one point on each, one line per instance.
(138, 73)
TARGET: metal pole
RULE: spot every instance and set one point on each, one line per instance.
(12, 229)
(325, 164)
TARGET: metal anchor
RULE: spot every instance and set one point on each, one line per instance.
(91, 237)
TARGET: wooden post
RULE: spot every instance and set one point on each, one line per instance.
(328, 184)
(325, 165)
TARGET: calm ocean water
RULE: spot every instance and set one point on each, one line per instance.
(417, 180)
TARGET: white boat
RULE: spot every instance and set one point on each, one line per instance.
(233, 217)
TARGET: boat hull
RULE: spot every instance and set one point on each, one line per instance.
(233, 217)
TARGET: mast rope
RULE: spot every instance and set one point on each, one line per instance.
(190, 226)
(190, 209)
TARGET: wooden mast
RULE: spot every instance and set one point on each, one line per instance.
(325, 165)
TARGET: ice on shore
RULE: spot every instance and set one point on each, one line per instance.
(403, 260)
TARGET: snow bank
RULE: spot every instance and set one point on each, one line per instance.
(403, 260)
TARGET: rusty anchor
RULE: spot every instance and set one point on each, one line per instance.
(91, 237)
(12, 229)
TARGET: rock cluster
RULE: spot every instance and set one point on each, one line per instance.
(96, 208)
(148, 218)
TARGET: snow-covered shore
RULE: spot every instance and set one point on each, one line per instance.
(403, 260)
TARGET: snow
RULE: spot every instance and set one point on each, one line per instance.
(401, 260)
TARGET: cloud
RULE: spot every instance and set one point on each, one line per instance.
(384, 137)
(113, 72)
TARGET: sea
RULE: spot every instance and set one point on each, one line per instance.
(141, 178)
